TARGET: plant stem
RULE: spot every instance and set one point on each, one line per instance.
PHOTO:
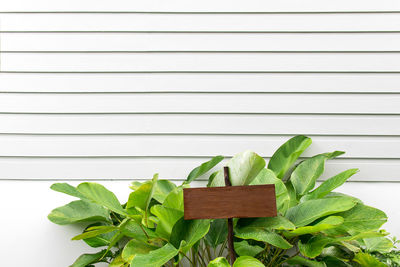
(208, 252)
(144, 231)
(276, 253)
(205, 264)
(221, 250)
(297, 253)
(116, 217)
(193, 257)
(267, 249)
(184, 255)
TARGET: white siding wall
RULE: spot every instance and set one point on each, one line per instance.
(117, 90)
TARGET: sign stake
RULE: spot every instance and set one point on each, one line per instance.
(232, 253)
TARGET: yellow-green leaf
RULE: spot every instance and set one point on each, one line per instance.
(79, 211)
(102, 196)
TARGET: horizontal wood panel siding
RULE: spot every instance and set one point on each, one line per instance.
(200, 103)
(121, 86)
(201, 82)
(134, 80)
(203, 62)
(202, 6)
(175, 168)
(230, 124)
(200, 42)
(186, 145)
(201, 22)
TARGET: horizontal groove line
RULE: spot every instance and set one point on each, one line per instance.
(204, 93)
(202, 72)
(207, 113)
(377, 92)
(171, 179)
(174, 157)
(182, 157)
(108, 157)
(197, 51)
(169, 134)
(197, 113)
(91, 180)
(194, 32)
(85, 180)
(206, 12)
(194, 72)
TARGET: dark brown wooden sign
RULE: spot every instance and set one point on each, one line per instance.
(229, 202)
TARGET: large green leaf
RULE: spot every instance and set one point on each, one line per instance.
(174, 200)
(102, 196)
(142, 196)
(300, 261)
(163, 188)
(267, 176)
(331, 261)
(189, 231)
(87, 259)
(264, 235)
(379, 244)
(306, 174)
(287, 154)
(330, 184)
(337, 194)
(219, 262)
(137, 231)
(243, 168)
(245, 249)
(79, 211)
(315, 245)
(310, 210)
(292, 194)
(135, 247)
(67, 189)
(203, 168)
(218, 233)
(167, 217)
(270, 223)
(363, 218)
(155, 258)
(334, 251)
(247, 261)
(367, 260)
(327, 223)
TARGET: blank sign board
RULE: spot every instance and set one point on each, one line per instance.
(229, 202)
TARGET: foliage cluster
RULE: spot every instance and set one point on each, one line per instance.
(314, 227)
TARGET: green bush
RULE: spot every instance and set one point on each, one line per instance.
(314, 227)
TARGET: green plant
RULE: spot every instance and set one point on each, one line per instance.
(314, 226)
(148, 230)
(382, 249)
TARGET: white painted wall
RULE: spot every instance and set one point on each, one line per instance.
(113, 91)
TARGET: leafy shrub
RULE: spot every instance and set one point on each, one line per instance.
(314, 227)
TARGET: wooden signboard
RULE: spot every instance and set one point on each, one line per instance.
(229, 202)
